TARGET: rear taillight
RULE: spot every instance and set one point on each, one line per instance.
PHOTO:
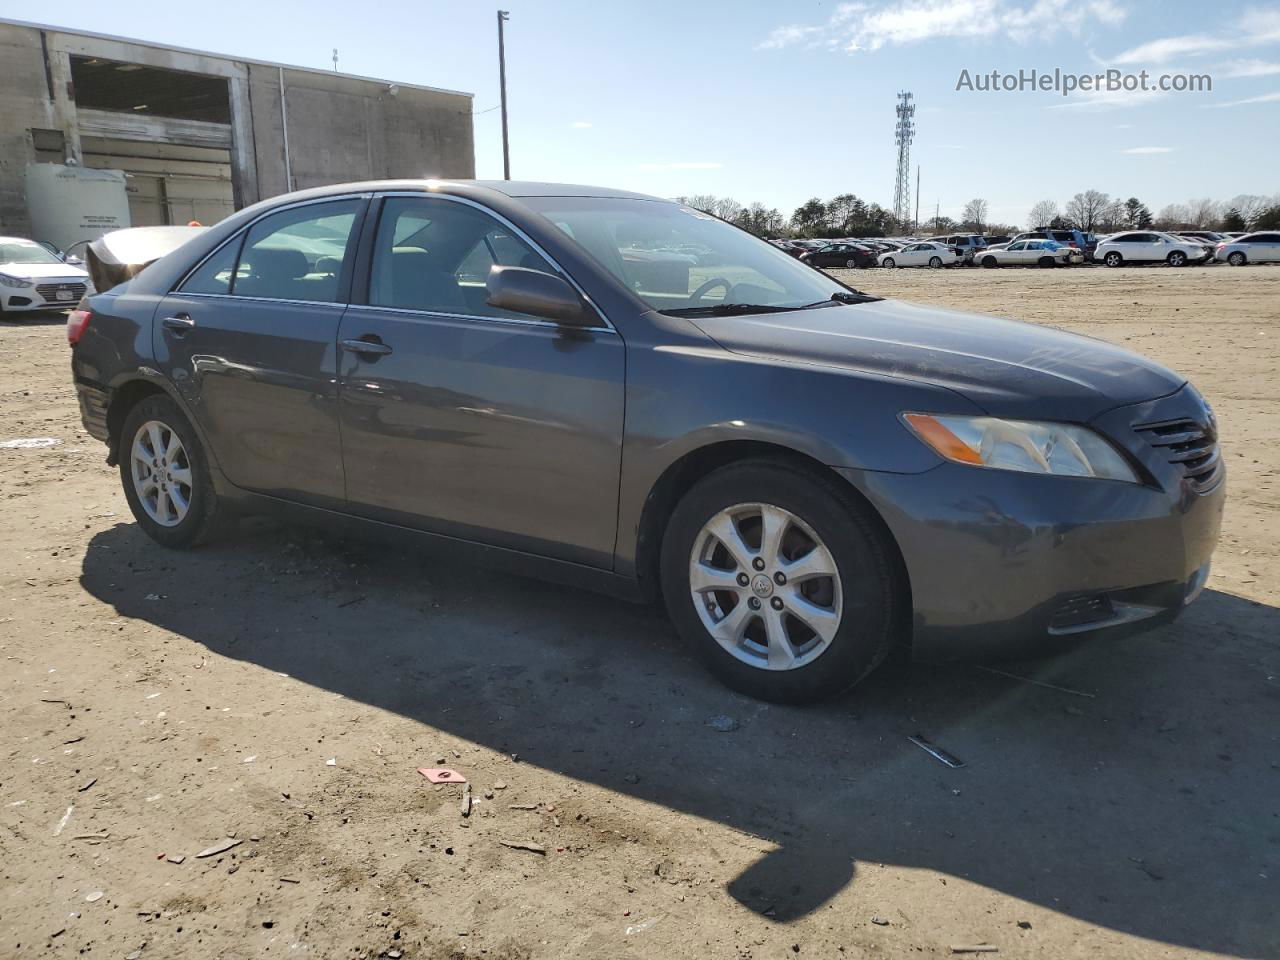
(77, 324)
(1072, 243)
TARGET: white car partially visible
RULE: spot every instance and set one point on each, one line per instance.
(926, 254)
(32, 278)
(1149, 246)
(1260, 247)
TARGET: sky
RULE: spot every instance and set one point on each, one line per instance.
(779, 102)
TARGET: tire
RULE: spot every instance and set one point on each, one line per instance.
(1237, 258)
(1046, 262)
(990, 262)
(198, 523)
(1113, 259)
(888, 262)
(851, 264)
(1176, 259)
(812, 667)
(935, 263)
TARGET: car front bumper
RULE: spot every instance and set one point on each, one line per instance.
(1005, 564)
(41, 296)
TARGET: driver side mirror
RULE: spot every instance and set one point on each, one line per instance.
(538, 293)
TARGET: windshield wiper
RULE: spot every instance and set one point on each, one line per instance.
(843, 296)
(728, 309)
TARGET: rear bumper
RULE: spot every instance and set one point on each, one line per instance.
(1004, 564)
(94, 401)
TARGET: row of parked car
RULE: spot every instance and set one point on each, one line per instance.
(1042, 248)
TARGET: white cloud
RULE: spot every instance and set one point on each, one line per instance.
(1264, 98)
(860, 26)
(1168, 48)
(680, 166)
(581, 124)
(1248, 68)
(1262, 26)
(1124, 126)
(1140, 151)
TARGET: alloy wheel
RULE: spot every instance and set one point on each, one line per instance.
(765, 586)
(161, 472)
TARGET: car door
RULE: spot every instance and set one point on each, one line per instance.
(1267, 246)
(913, 255)
(469, 420)
(248, 339)
(1016, 254)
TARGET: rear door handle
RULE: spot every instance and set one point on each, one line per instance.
(372, 347)
(179, 323)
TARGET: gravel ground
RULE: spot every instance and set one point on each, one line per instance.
(278, 691)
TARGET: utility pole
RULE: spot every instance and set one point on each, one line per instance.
(503, 16)
(335, 59)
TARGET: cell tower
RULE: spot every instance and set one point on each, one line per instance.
(903, 134)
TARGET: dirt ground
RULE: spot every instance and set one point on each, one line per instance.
(279, 690)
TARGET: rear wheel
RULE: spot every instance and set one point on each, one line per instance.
(780, 581)
(165, 474)
(1237, 259)
(1176, 259)
(935, 262)
(1113, 259)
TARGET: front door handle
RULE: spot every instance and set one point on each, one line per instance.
(371, 347)
(180, 324)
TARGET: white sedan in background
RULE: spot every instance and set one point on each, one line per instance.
(32, 278)
(924, 254)
(1260, 247)
(1029, 253)
(1148, 246)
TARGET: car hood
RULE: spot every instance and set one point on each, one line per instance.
(38, 271)
(1006, 367)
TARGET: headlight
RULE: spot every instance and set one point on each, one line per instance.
(1024, 445)
(9, 281)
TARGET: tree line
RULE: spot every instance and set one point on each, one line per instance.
(1096, 212)
(1092, 211)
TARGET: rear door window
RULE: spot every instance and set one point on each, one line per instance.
(297, 254)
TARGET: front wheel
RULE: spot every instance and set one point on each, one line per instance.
(888, 262)
(1113, 259)
(1237, 259)
(780, 581)
(165, 474)
(990, 262)
(935, 262)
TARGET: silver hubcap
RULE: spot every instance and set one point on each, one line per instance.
(161, 473)
(766, 587)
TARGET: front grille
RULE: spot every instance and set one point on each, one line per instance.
(1189, 445)
(49, 291)
(1079, 611)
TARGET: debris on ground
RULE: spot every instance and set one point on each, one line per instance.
(976, 948)
(87, 785)
(466, 800)
(442, 775)
(880, 921)
(62, 824)
(218, 848)
(722, 723)
(93, 897)
(936, 752)
(524, 845)
(175, 858)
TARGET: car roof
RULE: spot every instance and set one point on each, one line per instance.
(515, 189)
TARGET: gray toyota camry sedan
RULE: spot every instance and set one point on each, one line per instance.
(617, 391)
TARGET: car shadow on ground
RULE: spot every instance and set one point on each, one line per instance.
(34, 318)
(1150, 807)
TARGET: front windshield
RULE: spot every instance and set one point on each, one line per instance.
(679, 260)
(24, 251)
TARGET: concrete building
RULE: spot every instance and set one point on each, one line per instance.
(199, 135)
